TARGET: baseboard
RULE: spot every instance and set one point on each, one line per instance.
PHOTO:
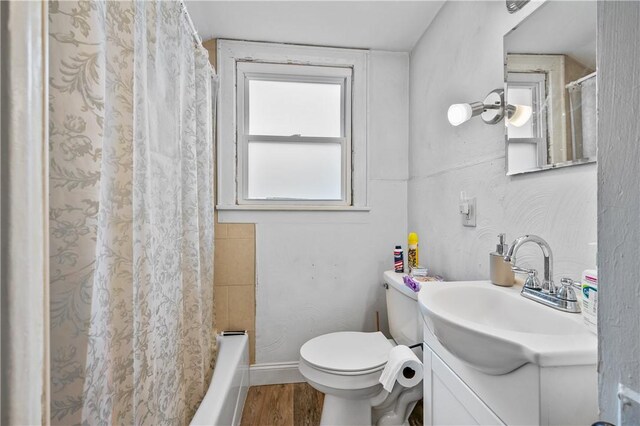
(274, 373)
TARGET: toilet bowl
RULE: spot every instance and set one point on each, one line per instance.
(346, 366)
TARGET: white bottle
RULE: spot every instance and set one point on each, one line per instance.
(590, 299)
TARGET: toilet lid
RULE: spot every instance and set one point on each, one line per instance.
(347, 351)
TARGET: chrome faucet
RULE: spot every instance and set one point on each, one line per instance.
(565, 299)
(547, 284)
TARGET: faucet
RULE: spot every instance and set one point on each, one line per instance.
(547, 294)
(547, 284)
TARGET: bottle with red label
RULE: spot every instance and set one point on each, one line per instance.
(398, 259)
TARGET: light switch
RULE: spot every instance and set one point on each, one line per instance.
(468, 210)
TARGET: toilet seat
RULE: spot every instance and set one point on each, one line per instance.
(348, 353)
(346, 363)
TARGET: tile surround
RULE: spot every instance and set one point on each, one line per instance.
(234, 279)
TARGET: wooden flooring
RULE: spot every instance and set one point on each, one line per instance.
(294, 404)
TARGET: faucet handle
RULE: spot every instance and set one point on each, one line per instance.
(532, 280)
(570, 282)
(566, 291)
(520, 270)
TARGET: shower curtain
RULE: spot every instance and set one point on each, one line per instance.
(131, 213)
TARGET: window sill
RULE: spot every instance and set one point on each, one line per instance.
(293, 214)
(236, 207)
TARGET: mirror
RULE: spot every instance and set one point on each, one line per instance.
(550, 66)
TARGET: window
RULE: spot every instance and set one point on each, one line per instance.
(293, 134)
(291, 127)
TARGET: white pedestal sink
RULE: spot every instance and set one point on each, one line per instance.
(499, 358)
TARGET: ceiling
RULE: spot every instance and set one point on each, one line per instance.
(383, 25)
(558, 28)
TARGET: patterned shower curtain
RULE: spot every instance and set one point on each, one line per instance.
(131, 213)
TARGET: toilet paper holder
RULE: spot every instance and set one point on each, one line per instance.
(408, 372)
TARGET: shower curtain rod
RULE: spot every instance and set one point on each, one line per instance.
(194, 32)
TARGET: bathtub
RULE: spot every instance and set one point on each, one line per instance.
(223, 403)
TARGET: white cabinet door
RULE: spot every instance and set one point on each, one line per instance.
(448, 400)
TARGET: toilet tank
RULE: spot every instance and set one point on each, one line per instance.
(403, 313)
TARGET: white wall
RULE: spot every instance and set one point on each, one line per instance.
(619, 205)
(459, 59)
(319, 272)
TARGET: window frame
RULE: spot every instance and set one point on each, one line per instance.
(247, 71)
(233, 52)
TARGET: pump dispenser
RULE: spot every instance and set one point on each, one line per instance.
(500, 270)
(502, 247)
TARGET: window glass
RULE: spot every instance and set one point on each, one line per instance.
(293, 170)
(285, 108)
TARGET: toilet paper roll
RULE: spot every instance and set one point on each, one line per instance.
(403, 367)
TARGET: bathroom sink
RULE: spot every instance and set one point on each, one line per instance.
(496, 330)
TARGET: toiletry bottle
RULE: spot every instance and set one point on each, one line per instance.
(499, 270)
(398, 260)
(412, 250)
(590, 299)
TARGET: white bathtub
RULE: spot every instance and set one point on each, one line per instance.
(223, 403)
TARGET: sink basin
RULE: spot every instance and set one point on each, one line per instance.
(496, 330)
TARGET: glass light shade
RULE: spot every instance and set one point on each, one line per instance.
(520, 115)
(459, 113)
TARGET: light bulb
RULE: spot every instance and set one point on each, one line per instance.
(519, 114)
(459, 113)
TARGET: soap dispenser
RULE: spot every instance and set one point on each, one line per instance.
(500, 270)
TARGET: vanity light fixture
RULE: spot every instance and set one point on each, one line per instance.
(518, 115)
(491, 110)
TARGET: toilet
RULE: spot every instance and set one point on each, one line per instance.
(346, 365)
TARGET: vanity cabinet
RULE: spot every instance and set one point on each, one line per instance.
(456, 393)
(448, 400)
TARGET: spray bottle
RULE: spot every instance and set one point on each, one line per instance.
(412, 251)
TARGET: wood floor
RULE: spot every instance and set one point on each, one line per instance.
(294, 404)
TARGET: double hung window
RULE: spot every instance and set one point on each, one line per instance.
(292, 128)
(293, 134)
